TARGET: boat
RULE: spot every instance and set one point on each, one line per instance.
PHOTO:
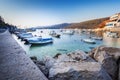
(91, 41)
(97, 38)
(38, 40)
(54, 34)
(24, 35)
(70, 32)
(112, 34)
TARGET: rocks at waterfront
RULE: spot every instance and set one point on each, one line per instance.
(102, 63)
(119, 70)
(76, 66)
(78, 71)
(108, 57)
(33, 58)
(40, 65)
(114, 52)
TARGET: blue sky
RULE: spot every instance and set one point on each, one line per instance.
(27, 13)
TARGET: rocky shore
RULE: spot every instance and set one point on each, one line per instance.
(102, 63)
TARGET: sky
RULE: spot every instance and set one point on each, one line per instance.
(32, 13)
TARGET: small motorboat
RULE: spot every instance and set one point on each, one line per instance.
(112, 34)
(54, 34)
(24, 35)
(38, 40)
(69, 32)
(91, 41)
(97, 38)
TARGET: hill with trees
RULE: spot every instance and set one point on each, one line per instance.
(4, 25)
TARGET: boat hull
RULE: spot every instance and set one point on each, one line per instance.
(41, 42)
(89, 41)
(38, 40)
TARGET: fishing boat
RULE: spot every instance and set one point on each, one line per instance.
(91, 41)
(39, 40)
(97, 38)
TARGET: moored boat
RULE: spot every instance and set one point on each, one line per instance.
(91, 41)
(70, 32)
(112, 34)
(39, 40)
(97, 38)
(54, 34)
(24, 35)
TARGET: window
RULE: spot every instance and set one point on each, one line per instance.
(109, 24)
(119, 20)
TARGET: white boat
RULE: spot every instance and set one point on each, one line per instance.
(112, 34)
(24, 35)
(39, 40)
(70, 32)
(91, 41)
(97, 38)
(54, 34)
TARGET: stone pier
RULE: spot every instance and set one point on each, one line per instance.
(14, 63)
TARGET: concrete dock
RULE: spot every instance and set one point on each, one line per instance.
(14, 63)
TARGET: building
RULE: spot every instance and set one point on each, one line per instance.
(118, 23)
(111, 24)
(114, 21)
(115, 17)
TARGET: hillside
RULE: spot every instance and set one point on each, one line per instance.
(90, 24)
(4, 25)
(57, 26)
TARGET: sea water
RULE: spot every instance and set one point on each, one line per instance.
(65, 44)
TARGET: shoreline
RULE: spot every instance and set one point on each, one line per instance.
(105, 59)
(101, 63)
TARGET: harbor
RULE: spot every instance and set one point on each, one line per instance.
(59, 40)
(14, 63)
(67, 43)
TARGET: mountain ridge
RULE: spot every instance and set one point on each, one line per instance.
(90, 24)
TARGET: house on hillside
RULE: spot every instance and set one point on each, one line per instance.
(114, 21)
(111, 24)
(115, 17)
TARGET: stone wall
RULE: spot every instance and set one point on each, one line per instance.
(14, 63)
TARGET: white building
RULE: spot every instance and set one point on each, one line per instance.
(118, 23)
(111, 24)
(114, 21)
(115, 17)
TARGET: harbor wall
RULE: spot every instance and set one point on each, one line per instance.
(14, 63)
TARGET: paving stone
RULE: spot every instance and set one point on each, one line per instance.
(14, 63)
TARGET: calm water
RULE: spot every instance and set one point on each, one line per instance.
(66, 44)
